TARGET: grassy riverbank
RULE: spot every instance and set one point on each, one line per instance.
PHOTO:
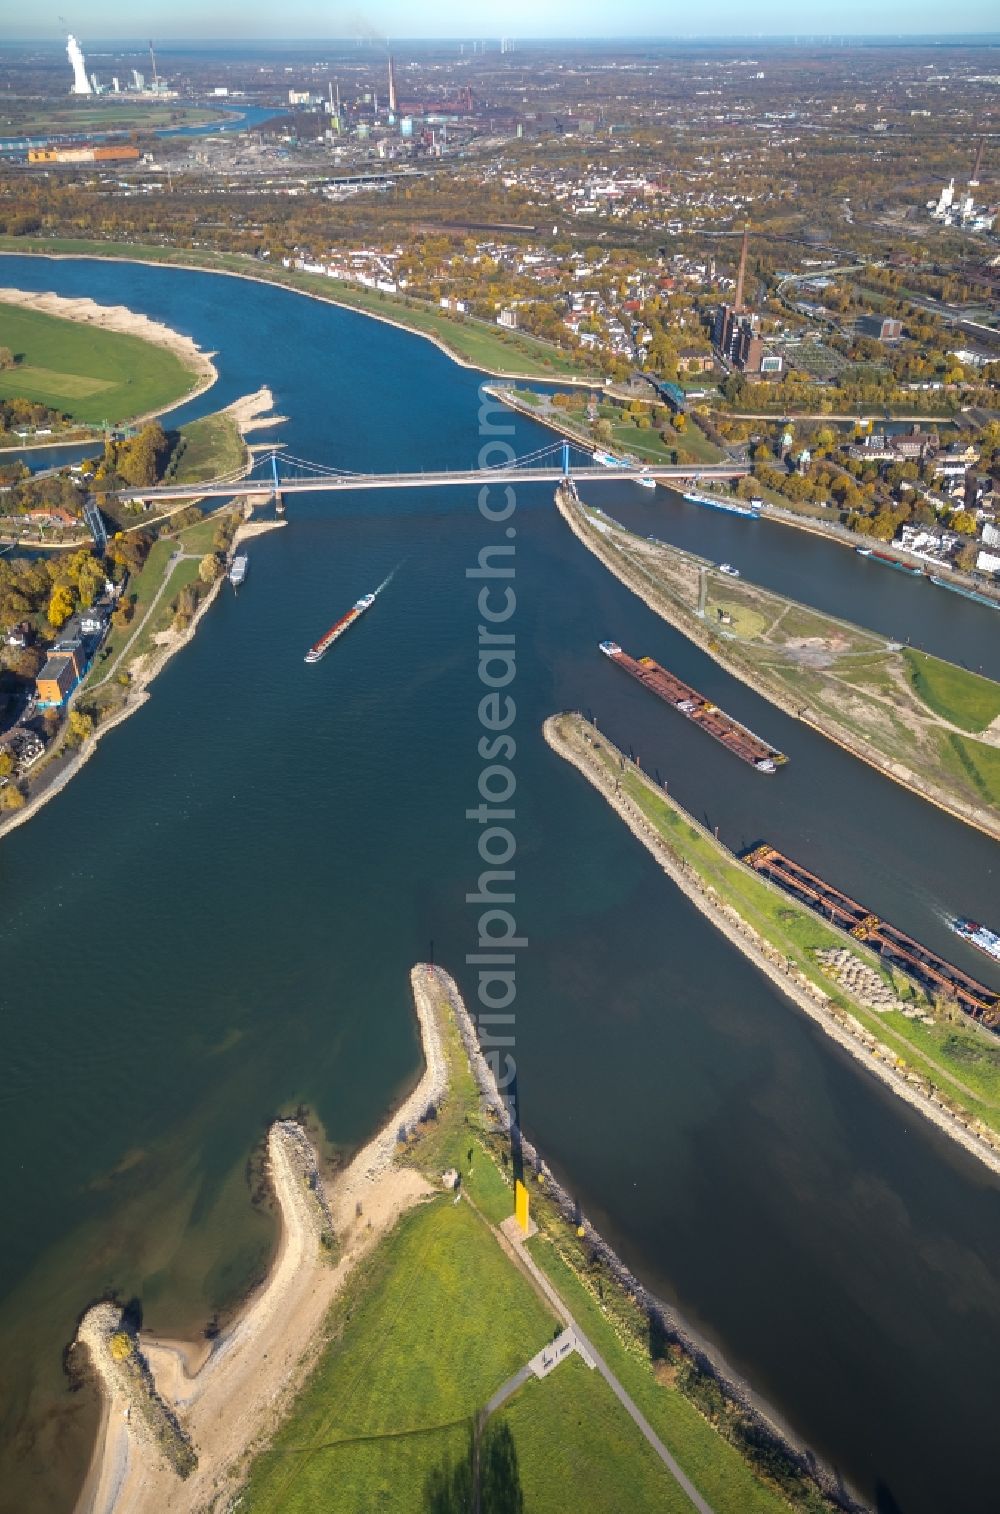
(85, 115)
(211, 447)
(951, 1058)
(476, 344)
(913, 716)
(442, 1315)
(88, 374)
(624, 429)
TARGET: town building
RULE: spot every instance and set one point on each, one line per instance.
(882, 328)
(57, 680)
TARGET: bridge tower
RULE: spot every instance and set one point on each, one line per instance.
(95, 521)
(565, 459)
(276, 494)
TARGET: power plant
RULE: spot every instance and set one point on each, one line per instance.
(81, 84)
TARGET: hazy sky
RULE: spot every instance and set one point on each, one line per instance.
(518, 18)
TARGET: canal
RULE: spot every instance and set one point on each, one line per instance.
(215, 921)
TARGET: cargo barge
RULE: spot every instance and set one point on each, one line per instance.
(979, 599)
(734, 736)
(894, 947)
(888, 561)
(338, 628)
(729, 506)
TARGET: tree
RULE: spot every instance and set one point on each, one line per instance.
(11, 797)
(60, 606)
(81, 726)
(6, 358)
(121, 1346)
(7, 762)
(964, 522)
(139, 460)
(208, 568)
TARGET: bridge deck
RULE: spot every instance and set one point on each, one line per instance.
(325, 483)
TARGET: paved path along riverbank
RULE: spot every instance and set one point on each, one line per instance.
(515, 1239)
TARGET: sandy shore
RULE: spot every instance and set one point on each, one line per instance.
(230, 1395)
(848, 1032)
(120, 319)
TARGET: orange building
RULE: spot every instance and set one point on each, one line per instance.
(85, 152)
(57, 679)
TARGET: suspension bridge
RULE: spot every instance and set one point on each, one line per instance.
(278, 474)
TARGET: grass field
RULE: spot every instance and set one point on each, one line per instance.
(101, 115)
(716, 1468)
(437, 1323)
(211, 447)
(491, 348)
(955, 694)
(576, 1449)
(643, 442)
(88, 374)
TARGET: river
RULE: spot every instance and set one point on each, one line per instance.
(216, 919)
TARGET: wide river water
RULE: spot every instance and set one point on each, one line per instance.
(215, 921)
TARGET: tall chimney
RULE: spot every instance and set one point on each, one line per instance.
(974, 181)
(738, 303)
(392, 88)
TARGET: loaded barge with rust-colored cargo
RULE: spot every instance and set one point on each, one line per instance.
(737, 738)
(338, 628)
(893, 946)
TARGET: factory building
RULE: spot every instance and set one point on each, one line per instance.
(85, 152)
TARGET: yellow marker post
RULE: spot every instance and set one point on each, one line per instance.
(521, 1205)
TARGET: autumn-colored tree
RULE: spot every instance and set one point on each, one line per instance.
(120, 1347)
(208, 568)
(8, 762)
(60, 606)
(81, 726)
(964, 522)
(11, 797)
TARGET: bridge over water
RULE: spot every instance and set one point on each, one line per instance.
(279, 474)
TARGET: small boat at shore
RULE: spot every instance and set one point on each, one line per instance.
(647, 481)
(729, 570)
(238, 569)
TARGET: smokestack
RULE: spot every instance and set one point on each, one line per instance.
(74, 52)
(738, 304)
(152, 59)
(974, 181)
(392, 88)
